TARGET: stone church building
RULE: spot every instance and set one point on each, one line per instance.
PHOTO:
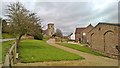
(104, 37)
(50, 30)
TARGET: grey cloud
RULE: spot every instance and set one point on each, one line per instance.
(69, 15)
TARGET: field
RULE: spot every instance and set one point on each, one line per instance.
(81, 48)
(39, 51)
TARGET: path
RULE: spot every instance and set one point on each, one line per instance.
(90, 60)
(1, 65)
(3, 40)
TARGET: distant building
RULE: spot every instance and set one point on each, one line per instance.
(71, 36)
(78, 34)
(81, 34)
(50, 30)
(104, 37)
(85, 33)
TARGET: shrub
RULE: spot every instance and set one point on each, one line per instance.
(46, 37)
(38, 36)
(58, 39)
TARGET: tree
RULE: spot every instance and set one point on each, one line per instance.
(21, 20)
(0, 26)
(3, 25)
(58, 33)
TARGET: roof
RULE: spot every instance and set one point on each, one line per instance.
(79, 30)
(89, 25)
(50, 24)
(88, 28)
(115, 24)
(102, 23)
(44, 31)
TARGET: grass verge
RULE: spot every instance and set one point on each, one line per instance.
(37, 51)
(5, 35)
(81, 48)
(5, 46)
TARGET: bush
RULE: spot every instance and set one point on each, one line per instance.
(38, 36)
(58, 39)
(46, 38)
(7, 35)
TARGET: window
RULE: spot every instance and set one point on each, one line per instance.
(84, 34)
(99, 28)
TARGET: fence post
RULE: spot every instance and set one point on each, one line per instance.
(7, 61)
(14, 55)
(10, 58)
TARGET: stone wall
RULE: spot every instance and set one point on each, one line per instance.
(85, 33)
(104, 37)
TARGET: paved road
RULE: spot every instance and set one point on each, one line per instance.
(3, 40)
(90, 60)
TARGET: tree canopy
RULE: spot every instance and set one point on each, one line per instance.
(22, 21)
(58, 33)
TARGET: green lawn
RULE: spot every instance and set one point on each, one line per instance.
(81, 48)
(37, 51)
(5, 35)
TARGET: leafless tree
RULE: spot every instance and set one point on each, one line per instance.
(21, 20)
(58, 33)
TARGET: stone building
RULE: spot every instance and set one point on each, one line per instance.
(71, 37)
(81, 34)
(50, 30)
(104, 37)
(85, 33)
(78, 34)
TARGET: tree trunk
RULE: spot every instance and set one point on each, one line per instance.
(18, 41)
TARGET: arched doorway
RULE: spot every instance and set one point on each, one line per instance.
(109, 42)
(91, 40)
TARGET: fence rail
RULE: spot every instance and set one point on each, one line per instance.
(10, 58)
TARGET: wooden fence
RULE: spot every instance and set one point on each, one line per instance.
(10, 58)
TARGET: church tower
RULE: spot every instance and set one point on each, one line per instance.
(50, 30)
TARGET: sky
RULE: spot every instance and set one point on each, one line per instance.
(67, 15)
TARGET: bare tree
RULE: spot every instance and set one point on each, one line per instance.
(21, 20)
(58, 33)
